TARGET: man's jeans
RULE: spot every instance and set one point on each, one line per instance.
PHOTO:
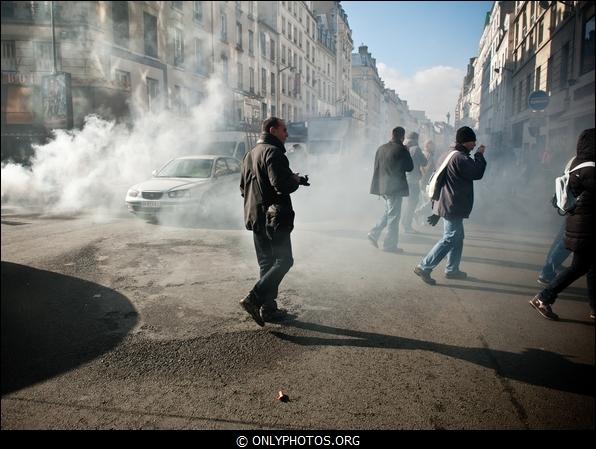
(556, 256)
(275, 260)
(451, 245)
(390, 219)
(411, 203)
(583, 262)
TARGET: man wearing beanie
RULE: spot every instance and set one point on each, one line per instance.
(413, 180)
(455, 203)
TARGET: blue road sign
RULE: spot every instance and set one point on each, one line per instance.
(538, 100)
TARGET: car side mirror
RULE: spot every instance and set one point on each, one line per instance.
(154, 172)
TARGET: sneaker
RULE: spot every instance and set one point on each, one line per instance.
(424, 275)
(253, 310)
(275, 315)
(542, 282)
(456, 275)
(372, 240)
(543, 309)
(393, 250)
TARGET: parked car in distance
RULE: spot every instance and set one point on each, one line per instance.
(187, 187)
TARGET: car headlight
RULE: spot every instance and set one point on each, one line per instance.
(179, 194)
(133, 193)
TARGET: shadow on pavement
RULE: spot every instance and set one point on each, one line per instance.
(533, 366)
(530, 294)
(51, 323)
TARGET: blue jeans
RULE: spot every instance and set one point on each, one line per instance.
(390, 219)
(556, 256)
(451, 245)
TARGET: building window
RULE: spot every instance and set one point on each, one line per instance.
(44, 58)
(177, 100)
(251, 79)
(272, 50)
(549, 74)
(223, 31)
(537, 81)
(251, 42)
(283, 83)
(283, 112)
(150, 31)
(199, 61)
(9, 58)
(272, 83)
(153, 94)
(251, 8)
(540, 31)
(587, 61)
(197, 11)
(239, 35)
(283, 26)
(122, 78)
(240, 76)
(264, 81)
(528, 88)
(120, 22)
(263, 45)
(564, 75)
(225, 68)
(178, 47)
(177, 5)
(283, 54)
(263, 111)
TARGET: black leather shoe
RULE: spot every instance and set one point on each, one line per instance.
(456, 275)
(276, 315)
(253, 310)
(425, 276)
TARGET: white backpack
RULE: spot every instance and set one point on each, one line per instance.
(433, 188)
(564, 200)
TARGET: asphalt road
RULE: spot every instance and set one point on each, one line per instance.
(114, 323)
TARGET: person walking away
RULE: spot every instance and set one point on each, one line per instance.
(580, 230)
(455, 203)
(414, 177)
(266, 184)
(427, 171)
(392, 161)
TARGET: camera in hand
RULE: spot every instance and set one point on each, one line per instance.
(303, 180)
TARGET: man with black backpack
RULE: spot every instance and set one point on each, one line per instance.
(455, 202)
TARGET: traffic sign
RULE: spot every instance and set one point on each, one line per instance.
(538, 100)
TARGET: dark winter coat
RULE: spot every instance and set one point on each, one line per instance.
(392, 161)
(457, 193)
(266, 180)
(581, 224)
(419, 160)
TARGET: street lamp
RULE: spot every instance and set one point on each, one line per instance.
(498, 70)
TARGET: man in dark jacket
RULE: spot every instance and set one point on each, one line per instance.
(392, 161)
(580, 234)
(455, 203)
(414, 177)
(266, 184)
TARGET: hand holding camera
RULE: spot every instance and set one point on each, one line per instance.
(303, 180)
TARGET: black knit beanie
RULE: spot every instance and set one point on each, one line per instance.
(465, 134)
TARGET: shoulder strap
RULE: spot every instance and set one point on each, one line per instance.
(582, 165)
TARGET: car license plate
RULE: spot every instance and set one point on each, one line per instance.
(154, 204)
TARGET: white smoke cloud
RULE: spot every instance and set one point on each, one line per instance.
(92, 168)
(433, 90)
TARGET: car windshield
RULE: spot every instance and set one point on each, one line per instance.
(220, 148)
(187, 168)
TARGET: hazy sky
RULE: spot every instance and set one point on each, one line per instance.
(422, 48)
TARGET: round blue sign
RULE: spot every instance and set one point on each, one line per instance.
(538, 100)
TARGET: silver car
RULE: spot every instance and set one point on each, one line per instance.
(190, 186)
